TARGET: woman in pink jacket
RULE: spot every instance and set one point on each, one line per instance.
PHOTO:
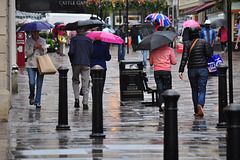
(223, 38)
(162, 58)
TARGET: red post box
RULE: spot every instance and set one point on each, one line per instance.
(20, 41)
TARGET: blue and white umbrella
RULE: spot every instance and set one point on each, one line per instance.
(162, 19)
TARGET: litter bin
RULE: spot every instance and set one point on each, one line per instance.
(131, 83)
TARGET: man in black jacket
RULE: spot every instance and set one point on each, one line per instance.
(134, 32)
(146, 29)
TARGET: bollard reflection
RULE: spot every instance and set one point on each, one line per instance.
(62, 143)
(199, 124)
(97, 152)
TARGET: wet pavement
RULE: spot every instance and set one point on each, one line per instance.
(132, 130)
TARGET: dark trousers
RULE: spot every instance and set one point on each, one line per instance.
(223, 45)
(163, 80)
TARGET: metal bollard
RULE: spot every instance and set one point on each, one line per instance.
(170, 98)
(222, 95)
(232, 113)
(97, 92)
(63, 100)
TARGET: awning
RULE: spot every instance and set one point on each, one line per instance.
(201, 8)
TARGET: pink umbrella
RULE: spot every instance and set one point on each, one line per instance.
(61, 25)
(190, 23)
(105, 37)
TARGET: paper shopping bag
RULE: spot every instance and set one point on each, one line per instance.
(45, 65)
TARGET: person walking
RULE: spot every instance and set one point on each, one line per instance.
(121, 47)
(208, 34)
(222, 33)
(162, 58)
(134, 32)
(171, 28)
(100, 55)
(146, 29)
(80, 51)
(34, 47)
(196, 52)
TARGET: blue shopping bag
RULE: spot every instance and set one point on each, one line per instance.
(213, 62)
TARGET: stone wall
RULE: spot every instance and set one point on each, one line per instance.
(5, 96)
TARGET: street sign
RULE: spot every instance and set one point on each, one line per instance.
(20, 41)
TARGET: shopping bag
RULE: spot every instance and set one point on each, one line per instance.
(139, 39)
(129, 42)
(213, 62)
(45, 65)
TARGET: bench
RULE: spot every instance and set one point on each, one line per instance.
(150, 90)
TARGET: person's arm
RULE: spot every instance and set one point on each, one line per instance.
(173, 58)
(236, 46)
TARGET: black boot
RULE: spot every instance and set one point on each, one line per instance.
(76, 105)
(31, 96)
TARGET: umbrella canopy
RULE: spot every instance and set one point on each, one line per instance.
(218, 23)
(57, 23)
(238, 26)
(105, 37)
(36, 26)
(162, 19)
(61, 25)
(156, 40)
(133, 23)
(191, 23)
(88, 24)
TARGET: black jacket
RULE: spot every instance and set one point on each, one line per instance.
(147, 29)
(199, 55)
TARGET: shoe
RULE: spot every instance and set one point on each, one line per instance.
(85, 107)
(76, 105)
(38, 106)
(200, 111)
(31, 101)
(161, 114)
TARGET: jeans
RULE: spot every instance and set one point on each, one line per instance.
(163, 80)
(198, 80)
(121, 52)
(32, 73)
(145, 57)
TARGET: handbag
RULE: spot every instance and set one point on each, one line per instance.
(213, 62)
(45, 65)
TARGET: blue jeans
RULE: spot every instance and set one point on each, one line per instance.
(145, 57)
(121, 52)
(198, 80)
(32, 73)
(163, 80)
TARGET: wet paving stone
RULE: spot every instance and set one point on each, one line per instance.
(133, 131)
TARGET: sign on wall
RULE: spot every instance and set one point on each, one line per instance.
(50, 5)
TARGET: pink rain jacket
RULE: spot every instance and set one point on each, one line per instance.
(224, 36)
(162, 58)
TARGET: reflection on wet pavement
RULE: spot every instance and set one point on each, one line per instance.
(132, 130)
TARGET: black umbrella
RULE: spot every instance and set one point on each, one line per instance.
(156, 40)
(88, 24)
(218, 23)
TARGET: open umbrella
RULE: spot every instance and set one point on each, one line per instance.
(36, 26)
(156, 40)
(105, 37)
(190, 23)
(218, 23)
(57, 23)
(61, 25)
(238, 26)
(88, 24)
(134, 23)
(162, 19)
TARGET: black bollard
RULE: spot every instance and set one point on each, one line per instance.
(63, 100)
(232, 113)
(170, 98)
(222, 95)
(97, 73)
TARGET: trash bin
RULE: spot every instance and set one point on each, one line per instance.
(131, 83)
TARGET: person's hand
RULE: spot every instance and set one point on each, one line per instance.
(180, 75)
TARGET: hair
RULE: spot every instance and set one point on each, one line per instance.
(120, 26)
(149, 19)
(80, 29)
(193, 33)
